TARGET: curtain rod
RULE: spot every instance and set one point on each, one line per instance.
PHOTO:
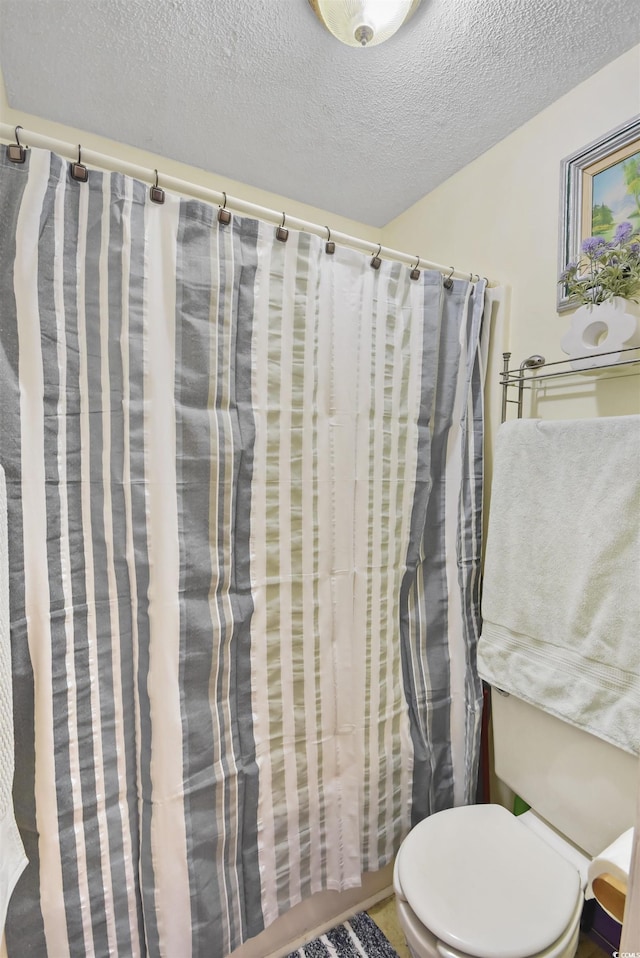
(116, 165)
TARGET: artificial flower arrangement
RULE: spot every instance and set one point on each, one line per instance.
(607, 269)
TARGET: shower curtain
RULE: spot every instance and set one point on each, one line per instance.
(245, 495)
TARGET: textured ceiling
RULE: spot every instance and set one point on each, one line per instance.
(256, 89)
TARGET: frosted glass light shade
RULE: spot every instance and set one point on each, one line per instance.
(363, 22)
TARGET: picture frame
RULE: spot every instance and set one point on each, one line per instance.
(594, 195)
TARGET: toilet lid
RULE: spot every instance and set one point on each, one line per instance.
(485, 884)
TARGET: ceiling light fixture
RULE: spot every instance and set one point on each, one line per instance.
(363, 23)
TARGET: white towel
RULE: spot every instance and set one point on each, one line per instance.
(12, 856)
(561, 601)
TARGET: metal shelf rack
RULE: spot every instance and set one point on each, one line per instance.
(528, 372)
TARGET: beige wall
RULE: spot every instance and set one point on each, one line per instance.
(499, 216)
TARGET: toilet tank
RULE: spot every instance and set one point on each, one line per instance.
(581, 785)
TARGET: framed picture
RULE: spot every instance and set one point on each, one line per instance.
(600, 188)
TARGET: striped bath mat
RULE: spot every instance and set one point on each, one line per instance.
(359, 937)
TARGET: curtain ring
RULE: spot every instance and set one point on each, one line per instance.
(329, 246)
(376, 262)
(448, 282)
(78, 170)
(282, 234)
(224, 216)
(16, 152)
(156, 193)
(415, 272)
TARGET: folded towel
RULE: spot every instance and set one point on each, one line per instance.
(561, 601)
(12, 856)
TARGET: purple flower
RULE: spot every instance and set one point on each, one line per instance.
(634, 249)
(622, 233)
(592, 245)
(568, 271)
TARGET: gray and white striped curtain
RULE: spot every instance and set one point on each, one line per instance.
(245, 491)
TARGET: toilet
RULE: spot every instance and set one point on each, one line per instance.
(478, 882)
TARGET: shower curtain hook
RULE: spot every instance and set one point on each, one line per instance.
(415, 272)
(376, 262)
(329, 246)
(78, 170)
(282, 234)
(156, 192)
(448, 282)
(224, 216)
(16, 152)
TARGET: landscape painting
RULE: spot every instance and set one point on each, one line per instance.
(616, 197)
(600, 189)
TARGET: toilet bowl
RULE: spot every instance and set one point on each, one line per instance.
(474, 882)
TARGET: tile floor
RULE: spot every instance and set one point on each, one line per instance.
(386, 919)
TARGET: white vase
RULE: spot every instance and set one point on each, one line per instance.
(604, 328)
